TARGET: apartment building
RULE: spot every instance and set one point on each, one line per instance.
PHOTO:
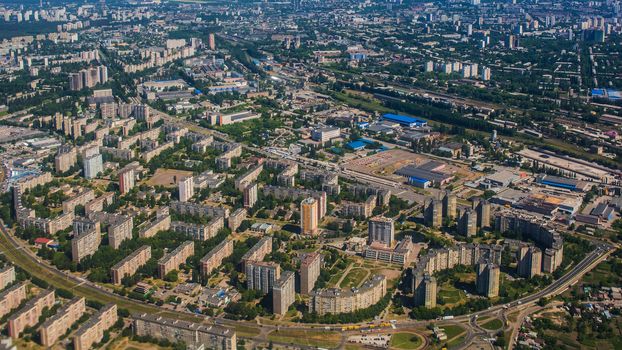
(198, 209)
(309, 271)
(127, 179)
(92, 331)
(334, 300)
(261, 275)
(213, 259)
(193, 334)
(199, 232)
(424, 290)
(236, 218)
(258, 251)
(7, 276)
(119, 226)
(402, 254)
(309, 216)
(85, 243)
(186, 189)
(12, 298)
(293, 193)
(487, 280)
(283, 293)
(54, 327)
(29, 314)
(98, 204)
(161, 223)
(359, 210)
(381, 229)
(81, 198)
(131, 264)
(66, 157)
(172, 260)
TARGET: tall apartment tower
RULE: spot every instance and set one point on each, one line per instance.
(66, 157)
(126, 180)
(250, 195)
(309, 272)
(467, 223)
(309, 216)
(529, 261)
(487, 282)
(93, 165)
(449, 205)
(283, 293)
(381, 230)
(425, 290)
(262, 275)
(186, 189)
(212, 41)
(482, 207)
(433, 213)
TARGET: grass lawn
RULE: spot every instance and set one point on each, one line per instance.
(492, 325)
(246, 331)
(451, 295)
(323, 339)
(452, 330)
(354, 278)
(406, 341)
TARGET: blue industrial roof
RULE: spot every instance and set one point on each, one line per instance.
(403, 119)
(356, 144)
(559, 184)
(417, 179)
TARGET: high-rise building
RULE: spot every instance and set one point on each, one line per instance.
(309, 216)
(433, 213)
(261, 275)
(381, 229)
(529, 261)
(250, 195)
(212, 41)
(425, 290)
(93, 165)
(486, 74)
(482, 207)
(467, 223)
(283, 293)
(309, 272)
(66, 157)
(186, 189)
(487, 281)
(449, 205)
(126, 180)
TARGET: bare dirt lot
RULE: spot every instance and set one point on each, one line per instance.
(167, 177)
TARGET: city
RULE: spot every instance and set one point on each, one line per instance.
(310, 174)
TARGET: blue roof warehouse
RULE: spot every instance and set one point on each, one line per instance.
(403, 120)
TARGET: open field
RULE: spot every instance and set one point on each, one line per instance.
(406, 340)
(324, 339)
(167, 177)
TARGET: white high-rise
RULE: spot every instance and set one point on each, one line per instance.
(186, 189)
